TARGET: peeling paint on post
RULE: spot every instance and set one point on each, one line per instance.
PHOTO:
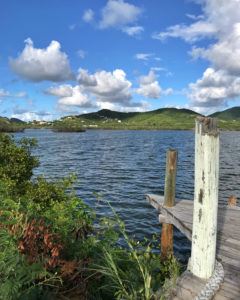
(205, 209)
(169, 200)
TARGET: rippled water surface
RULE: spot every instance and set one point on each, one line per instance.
(123, 166)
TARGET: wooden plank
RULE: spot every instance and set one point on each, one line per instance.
(228, 247)
(230, 288)
(171, 219)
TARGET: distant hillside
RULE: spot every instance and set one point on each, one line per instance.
(16, 120)
(11, 125)
(164, 118)
(228, 114)
(106, 113)
(110, 114)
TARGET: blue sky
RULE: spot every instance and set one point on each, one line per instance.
(69, 57)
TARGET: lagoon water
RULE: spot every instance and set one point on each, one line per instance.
(122, 166)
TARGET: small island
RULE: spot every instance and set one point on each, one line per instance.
(61, 126)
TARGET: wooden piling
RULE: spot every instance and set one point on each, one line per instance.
(204, 232)
(169, 201)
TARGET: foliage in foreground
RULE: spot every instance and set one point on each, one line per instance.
(53, 247)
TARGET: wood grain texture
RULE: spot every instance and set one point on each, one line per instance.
(227, 246)
(203, 254)
(169, 201)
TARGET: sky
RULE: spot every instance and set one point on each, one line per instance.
(68, 57)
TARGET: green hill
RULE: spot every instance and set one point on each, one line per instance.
(164, 118)
(11, 125)
(229, 119)
(228, 114)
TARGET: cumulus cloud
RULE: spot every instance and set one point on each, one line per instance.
(37, 64)
(88, 15)
(101, 89)
(217, 20)
(106, 86)
(220, 82)
(118, 13)
(85, 79)
(214, 89)
(224, 54)
(122, 16)
(78, 98)
(149, 87)
(60, 91)
(70, 96)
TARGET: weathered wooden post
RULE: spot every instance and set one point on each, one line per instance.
(169, 200)
(205, 209)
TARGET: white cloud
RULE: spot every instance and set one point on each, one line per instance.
(60, 91)
(7, 94)
(4, 94)
(213, 89)
(81, 53)
(167, 92)
(144, 56)
(25, 115)
(37, 64)
(106, 86)
(135, 106)
(221, 81)
(21, 95)
(217, 20)
(150, 88)
(119, 14)
(85, 79)
(192, 33)
(88, 16)
(70, 96)
(101, 89)
(78, 98)
(133, 30)
(195, 17)
(224, 54)
(72, 26)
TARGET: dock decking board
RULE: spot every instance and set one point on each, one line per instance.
(227, 252)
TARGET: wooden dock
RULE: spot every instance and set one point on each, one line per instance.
(227, 247)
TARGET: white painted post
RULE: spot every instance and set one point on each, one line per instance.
(205, 209)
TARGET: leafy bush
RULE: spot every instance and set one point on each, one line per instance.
(16, 163)
(136, 271)
(52, 246)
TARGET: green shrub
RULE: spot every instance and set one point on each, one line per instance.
(136, 271)
(53, 247)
